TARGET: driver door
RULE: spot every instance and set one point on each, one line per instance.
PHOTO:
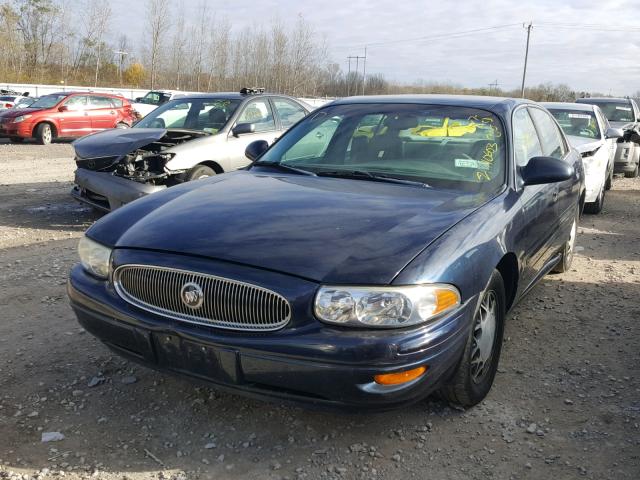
(75, 122)
(259, 113)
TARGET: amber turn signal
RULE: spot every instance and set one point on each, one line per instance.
(445, 299)
(398, 378)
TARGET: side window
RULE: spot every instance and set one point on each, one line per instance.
(99, 102)
(526, 144)
(288, 111)
(259, 113)
(117, 102)
(549, 134)
(79, 102)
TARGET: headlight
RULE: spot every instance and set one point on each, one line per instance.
(384, 307)
(95, 258)
(21, 118)
(590, 153)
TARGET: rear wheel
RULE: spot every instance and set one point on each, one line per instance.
(632, 174)
(122, 125)
(474, 376)
(568, 250)
(44, 134)
(200, 171)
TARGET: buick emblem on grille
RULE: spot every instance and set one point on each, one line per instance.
(192, 295)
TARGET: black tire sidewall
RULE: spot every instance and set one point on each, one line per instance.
(480, 390)
(40, 134)
(196, 172)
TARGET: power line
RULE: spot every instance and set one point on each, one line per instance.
(434, 37)
(590, 26)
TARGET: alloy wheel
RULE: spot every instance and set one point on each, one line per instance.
(484, 334)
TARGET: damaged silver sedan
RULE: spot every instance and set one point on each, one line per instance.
(189, 138)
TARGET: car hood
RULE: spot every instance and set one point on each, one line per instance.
(584, 144)
(13, 113)
(622, 125)
(116, 142)
(324, 229)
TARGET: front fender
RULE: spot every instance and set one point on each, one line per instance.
(467, 254)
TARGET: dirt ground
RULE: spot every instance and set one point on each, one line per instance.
(565, 404)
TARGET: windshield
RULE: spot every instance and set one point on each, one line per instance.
(155, 98)
(447, 147)
(578, 123)
(204, 114)
(48, 101)
(616, 111)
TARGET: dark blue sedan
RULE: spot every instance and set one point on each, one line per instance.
(366, 259)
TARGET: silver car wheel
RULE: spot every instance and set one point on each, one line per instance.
(484, 334)
(46, 134)
(571, 244)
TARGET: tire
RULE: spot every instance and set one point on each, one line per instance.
(568, 249)
(200, 171)
(44, 134)
(609, 182)
(474, 375)
(596, 207)
(122, 125)
(16, 139)
(632, 174)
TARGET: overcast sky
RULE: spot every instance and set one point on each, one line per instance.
(596, 58)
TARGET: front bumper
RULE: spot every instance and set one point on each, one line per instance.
(10, 129)
(106, 192)
(313, 363)
(627, 156)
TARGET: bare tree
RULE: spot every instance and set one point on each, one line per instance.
(159, 24)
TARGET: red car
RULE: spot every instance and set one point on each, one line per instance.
(66, 115)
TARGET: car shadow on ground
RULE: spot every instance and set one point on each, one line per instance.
(46, 205)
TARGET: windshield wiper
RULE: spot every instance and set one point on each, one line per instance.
(285, 168)
(364, 175)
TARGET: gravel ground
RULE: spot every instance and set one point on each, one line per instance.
(565, 404)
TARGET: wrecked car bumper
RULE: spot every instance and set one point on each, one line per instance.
(105, 191)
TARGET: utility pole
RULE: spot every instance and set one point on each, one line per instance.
(121, 55)
(357, 59)
(526, 56)
(494, 85)
(349, 75)
(364, 70)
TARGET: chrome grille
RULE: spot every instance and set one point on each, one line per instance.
(225, 303)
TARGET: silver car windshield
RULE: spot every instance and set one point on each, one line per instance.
(577, 123)
(203, 114)
(443, 146)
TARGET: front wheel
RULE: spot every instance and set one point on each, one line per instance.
(44, 134)
(609, 183)
(122, 125)
(474, 376)
(596, 207)
(200, 171)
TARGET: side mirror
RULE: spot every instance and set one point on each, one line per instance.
(243, 129)
(137, 99)
(543, 170)
(255, 149)
(63, 108)
(613, 133)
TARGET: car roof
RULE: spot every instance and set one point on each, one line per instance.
(234, 95)
(86, 93)
(584, 107)
(604, 100)
(472, 101)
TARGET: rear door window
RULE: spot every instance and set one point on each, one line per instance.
(96, 102)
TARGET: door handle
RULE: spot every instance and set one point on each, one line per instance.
(112, 112)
